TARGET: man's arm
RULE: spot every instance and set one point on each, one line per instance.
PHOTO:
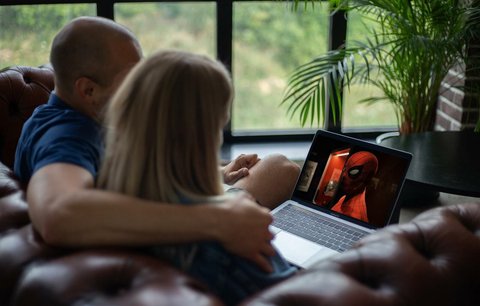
(270, 180)
(68, 211)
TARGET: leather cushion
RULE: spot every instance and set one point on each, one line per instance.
(22, 89)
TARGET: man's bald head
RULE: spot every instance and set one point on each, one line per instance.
(88, 47)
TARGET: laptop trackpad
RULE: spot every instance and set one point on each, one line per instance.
(295, 249)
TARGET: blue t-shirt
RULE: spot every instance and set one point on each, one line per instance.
(56, 133)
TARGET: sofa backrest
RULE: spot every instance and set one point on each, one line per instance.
(22, 89)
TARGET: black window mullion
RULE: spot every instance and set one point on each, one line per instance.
(224, 45)
(105, 9)
(337, 39)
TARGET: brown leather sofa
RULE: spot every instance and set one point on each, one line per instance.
(433, 260)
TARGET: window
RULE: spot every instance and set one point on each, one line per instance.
(185, 26)
(261, 41)
(27, 31)
(269, 41)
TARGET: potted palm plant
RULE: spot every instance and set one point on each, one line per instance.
(408, 52)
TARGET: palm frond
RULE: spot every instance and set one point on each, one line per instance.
(412, 45)
(309, 84)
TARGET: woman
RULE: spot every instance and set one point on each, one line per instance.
(164, 131)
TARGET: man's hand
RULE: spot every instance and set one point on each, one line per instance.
(244, 230)
(239, 168)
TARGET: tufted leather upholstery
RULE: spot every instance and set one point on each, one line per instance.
(33, 273)
(108, 278)
(21, 90)
(433, 260)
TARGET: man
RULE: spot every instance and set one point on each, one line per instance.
(61, 146)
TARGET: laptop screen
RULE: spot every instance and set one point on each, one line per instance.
(353, 178)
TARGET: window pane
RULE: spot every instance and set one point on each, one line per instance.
(27, 31)
(270, 40)
(185, 25)
(357, 114)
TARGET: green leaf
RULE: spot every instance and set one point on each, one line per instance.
(411, 46)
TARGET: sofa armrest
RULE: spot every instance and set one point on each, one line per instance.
(433, 260)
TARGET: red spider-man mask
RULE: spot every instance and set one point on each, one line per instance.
(357, 172)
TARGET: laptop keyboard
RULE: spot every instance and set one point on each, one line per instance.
(317, 228)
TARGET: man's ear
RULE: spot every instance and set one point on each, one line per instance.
(84, 88)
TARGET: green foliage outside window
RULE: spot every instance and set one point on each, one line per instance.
(270, 40)
(291, 37)
(46, 17)
(26, 31)
(183, 26)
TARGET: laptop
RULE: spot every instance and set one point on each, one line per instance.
(347, 189)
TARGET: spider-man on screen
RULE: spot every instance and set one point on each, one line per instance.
(357, 173)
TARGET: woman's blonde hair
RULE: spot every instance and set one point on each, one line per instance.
(163, 129)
